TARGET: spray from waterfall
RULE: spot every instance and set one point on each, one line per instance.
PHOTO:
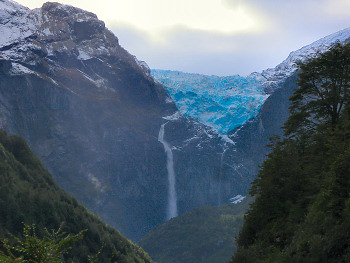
(221, 173)
(172, 197)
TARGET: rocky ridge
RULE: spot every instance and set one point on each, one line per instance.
(226, 103)
(87, 108)
(91, 112)
(274, 76)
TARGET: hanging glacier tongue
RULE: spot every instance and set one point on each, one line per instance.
(223, 103)
(172, 197)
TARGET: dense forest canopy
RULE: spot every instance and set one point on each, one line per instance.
(324, 90)
(302, 208)
(29, 195)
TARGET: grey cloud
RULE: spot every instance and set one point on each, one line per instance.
(292, 26)
(202, 52)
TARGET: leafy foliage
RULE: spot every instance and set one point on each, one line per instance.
(206, 235)
(302, 206)
(324, 90)
(29, 195)
(49, 249)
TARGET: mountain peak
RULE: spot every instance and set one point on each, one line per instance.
(276, 75)
(70, 23)
(58, 31)
(60, 38)
(11, 6)
(13, 22)
(61, 10)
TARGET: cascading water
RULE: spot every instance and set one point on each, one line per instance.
(220, 173)
(172, 197)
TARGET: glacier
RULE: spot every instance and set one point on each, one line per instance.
(226, 103)
(222, 103)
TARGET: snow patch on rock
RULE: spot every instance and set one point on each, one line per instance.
(18, 69)
(237, 199)
(176, 116)
(274, 76)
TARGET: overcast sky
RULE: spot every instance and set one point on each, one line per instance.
(220, 37)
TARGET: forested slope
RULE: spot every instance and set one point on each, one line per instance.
(302, 208)
(204, 235)
(29, 195)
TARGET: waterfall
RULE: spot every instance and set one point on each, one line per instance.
(172, 198)
(220, 173)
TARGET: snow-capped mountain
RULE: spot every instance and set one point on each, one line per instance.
(56, 29)
(274, 76)
(222, 103)
(93, 114)
(88, 109)
(226, 103)
(15, 22)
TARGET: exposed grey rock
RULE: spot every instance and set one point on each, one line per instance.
(92, 113)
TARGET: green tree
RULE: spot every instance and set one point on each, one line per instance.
(302, 205)
(33, 249)
(324, 89)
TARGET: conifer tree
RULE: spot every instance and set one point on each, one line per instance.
(324, 90)
(34, 249)
(301, 211)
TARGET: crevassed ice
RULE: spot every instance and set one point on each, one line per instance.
(223, 103)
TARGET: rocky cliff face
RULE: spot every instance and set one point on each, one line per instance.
(251, 139)
(275, 77)
(88, 109)
(198, 97)
(92, 114)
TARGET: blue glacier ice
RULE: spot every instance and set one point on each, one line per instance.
(223, 103)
